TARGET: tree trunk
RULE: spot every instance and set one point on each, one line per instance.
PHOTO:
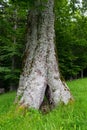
(12, 84)
(40, 74)
(82, 74)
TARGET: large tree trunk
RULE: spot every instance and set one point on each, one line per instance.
(40, 74)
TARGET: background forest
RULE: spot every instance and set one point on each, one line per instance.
(71, 39)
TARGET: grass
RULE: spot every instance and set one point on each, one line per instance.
(70, 117)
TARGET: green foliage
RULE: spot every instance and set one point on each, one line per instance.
(71, 38)
(70, 117)
(12, 41)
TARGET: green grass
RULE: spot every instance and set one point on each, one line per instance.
(70, 117)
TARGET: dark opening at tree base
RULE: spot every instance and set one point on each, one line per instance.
(47, 105)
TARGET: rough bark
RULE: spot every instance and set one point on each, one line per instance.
(40, 71)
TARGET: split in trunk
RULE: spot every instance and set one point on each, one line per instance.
(40, 67)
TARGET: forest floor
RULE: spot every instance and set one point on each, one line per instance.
(70, 117)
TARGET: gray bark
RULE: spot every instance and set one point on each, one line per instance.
(40, 63)
(82, 74)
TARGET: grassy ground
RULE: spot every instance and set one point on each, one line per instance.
(70, 117)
